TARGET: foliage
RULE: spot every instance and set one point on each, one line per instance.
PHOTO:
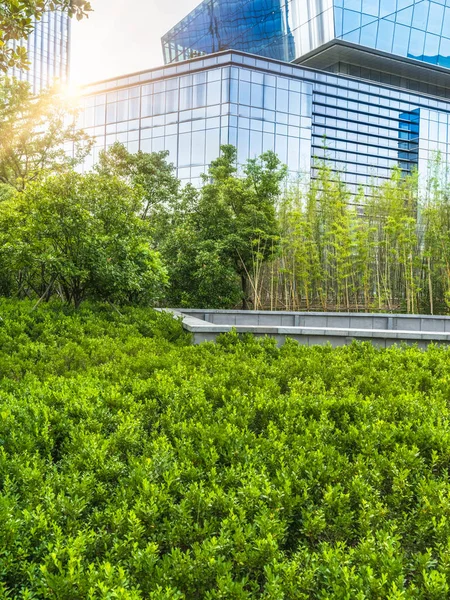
(385, 249)
(226, 232)
(38, 134)
(151, 171)
(80, 236)
(245, 237)
(17, 19)
(6, 192)
(134, 467)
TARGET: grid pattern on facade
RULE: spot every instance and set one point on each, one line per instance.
(362, 129)
(48, 52)
(278, 29)
(363, 135)
(289, 29)
(392, 79)
(408, 154)
(434, 145)
(417, 29)
(191, 116)
(269, 112)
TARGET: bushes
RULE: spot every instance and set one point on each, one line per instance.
(78, 237)
(132, 466)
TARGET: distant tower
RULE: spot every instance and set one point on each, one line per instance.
(48, 50)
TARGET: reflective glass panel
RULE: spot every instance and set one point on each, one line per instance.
(280, 30)
(418, 29)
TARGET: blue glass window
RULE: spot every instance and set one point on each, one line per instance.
(416, 44)
(435, 18)
(401, 39)
(369, 34)
(352, 21)
(185, 99)
(370, 7)
(184, 149)
(198, 148)
(282, 101)
(122, 110)
(172, 101)
(214, 92)
(420, 17)
(444, 53)
(385, 35)
(431, 49)
(354, 5)
(212, 145)
(257, 95)
(404, 17)
(266, 27)
(386, 7)
(244, 92)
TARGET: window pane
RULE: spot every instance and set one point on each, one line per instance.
(214, 92)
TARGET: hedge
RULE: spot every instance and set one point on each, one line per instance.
(135, 465)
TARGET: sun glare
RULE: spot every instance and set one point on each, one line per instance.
(70, 93)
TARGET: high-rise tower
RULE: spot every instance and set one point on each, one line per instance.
(48, 49)
(392, 41)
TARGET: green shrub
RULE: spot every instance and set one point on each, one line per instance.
(135, 465)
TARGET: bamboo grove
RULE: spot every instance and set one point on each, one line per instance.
(387, 250)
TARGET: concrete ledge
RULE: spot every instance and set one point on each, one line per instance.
(317, 328)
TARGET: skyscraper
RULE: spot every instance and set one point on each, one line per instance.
(48, 49)
(279, 29)
(383, 40)
(290, 29)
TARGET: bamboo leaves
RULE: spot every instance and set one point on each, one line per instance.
(388, 248)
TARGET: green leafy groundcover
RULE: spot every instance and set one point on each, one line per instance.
(134, 465)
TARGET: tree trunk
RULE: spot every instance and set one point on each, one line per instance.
(244, 284)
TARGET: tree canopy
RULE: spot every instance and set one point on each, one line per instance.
(17, 20)
(151, 171)
(38, 134)
(79, 236)
(229, 231)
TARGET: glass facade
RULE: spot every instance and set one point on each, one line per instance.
(434, 144)
(279, 29)
(366, 130)
(289, 29)
(48, 52)
(408, 154)
(363, 129)
(417, 29)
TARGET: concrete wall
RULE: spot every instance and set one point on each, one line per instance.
(338, 329)
(335, 320)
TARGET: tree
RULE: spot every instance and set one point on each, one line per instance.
(80, 236)
(215, 252)
(151, 171)
(200, 272)
(17, 19)
(239, 212)
(6, 191)
(37, 134)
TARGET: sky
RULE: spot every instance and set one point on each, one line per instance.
(122, 36)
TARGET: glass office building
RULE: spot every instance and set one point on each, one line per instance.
(363, 38)
(279, 29)
(416, 29)
(364, 84)
(192, 109)
(189, 109)
(48, 49)
(290, 29)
